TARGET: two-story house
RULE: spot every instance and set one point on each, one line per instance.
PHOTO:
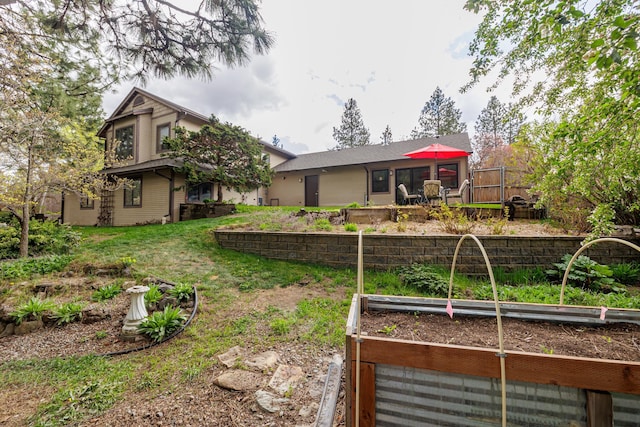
(367, 175)
(156, 189)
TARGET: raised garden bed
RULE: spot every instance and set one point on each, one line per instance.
(407, 377)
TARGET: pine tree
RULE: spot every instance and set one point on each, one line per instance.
(496, 126)
(439, 117)
(387, 137)
(276, 141)
(351, 132)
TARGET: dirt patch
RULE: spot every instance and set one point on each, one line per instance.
(615, 342)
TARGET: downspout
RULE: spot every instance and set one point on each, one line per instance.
(366, 186)
(61, 220)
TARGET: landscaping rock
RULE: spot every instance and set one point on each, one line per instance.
(7, 329)
(285, 378)
(94, 314)
(264, 361)
(269, 402)
(231, 357)
(239, 380)
(28, 326)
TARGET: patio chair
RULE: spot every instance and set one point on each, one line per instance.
(407, 199)
(460, 194)
(432, 190)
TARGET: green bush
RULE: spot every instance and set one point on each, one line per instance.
(181, 292)
(584, 273)
(32, 310)
(353, 205)
(68, 312)
(153, 295)
(25, 268)
(350, 227)
(453, 221)
(424, 278)
(322, 224)
(106, 292)
(162, 324)
(45, 237)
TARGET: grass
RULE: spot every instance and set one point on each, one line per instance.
(77, 388)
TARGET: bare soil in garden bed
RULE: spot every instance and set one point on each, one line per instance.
(613, 342)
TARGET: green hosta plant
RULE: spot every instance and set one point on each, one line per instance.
(181, 292)
(153, 295)
(106, 292)
(32, 310)
(162, 324)
(68, 312)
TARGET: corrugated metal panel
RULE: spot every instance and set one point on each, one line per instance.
(626, 410)
(417, 397)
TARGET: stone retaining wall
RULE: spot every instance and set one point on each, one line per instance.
(384, 251)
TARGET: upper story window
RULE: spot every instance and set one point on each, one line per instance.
(162, 131)
(124, 143)
(380, 181)
(133, 193)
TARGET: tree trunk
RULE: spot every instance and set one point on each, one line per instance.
(24, 232)
(219, 193)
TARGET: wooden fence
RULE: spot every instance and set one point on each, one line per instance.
(495, 185)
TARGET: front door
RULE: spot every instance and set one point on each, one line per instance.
(311, 190)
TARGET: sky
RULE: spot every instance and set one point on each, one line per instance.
(388, 56)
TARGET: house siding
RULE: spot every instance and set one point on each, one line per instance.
(73, 215)
(155, 203)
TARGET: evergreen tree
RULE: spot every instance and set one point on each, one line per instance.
(439, 117)
(496, 126)
(276, 141)
(351, 132)
(387, 137)
(221, 153)
(140, 38)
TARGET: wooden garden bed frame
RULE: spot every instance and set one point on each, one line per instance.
(598, 377)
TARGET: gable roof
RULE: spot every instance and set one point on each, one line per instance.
(119, 113)
(370, 153)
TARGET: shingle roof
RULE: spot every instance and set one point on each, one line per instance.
(370, 153)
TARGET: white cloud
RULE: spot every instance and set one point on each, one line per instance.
(389, 57)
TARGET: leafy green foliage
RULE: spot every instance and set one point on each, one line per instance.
(322, 224)
(585, 154)
(584, 273)
(353, 205)
(68, 312)
(424, 278)
(350, 227)
(181, 292)
(32, 310)
(626, 273)
(234, 157)
(28, 267)
(153, 295)
(106, 292)
(162, 324)
(45, 237)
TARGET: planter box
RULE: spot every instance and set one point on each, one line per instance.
(204, 210)
(414, 383)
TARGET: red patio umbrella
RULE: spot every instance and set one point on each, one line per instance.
(436, 151)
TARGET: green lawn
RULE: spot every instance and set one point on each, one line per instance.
(186, 252)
